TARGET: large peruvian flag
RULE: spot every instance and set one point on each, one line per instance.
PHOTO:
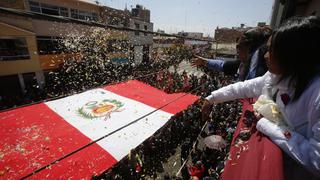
(34, 136)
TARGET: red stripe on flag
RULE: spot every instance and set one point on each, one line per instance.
(151, 96)
(34, 136)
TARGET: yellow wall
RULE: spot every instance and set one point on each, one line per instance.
(17, 21)
(20, 66)
(55, 61)
(11, 25)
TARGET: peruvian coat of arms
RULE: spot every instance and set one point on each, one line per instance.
(96, 109)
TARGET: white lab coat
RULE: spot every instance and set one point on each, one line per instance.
(302, 116)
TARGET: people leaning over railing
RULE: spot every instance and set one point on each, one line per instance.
(291, 89)
(250, 62)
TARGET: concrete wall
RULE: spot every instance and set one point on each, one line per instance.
(141, 39)
(138, 54)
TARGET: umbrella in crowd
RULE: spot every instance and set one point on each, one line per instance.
(79, 75)
(215, 142)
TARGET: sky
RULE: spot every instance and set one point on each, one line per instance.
(200, 15)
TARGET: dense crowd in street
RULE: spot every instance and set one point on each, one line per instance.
(182, 130)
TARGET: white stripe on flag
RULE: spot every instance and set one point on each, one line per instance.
(120, 143)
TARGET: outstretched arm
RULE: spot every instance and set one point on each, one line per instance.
(213, 64)
(246, 89)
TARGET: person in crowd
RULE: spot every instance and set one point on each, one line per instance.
(293, 83)
(197, 170)
(250, 62)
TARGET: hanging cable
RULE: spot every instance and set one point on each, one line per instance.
(111, 83)
(36, 15)
(193, 146)
(99, 139)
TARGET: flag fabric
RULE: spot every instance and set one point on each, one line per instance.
(257, 158)
(36, 135)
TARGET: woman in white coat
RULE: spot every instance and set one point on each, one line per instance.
(293, 80)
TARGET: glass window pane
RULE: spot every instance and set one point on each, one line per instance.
(74, 13)
(82, 15)
(33, 3)
(47, 45)
(145, 28)
(35, 9)
(64, 11)
(94, 16)
(49, 9)
(137, 27)
(34, 6)
(13, 49)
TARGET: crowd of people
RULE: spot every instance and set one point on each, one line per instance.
(182, 131)
(292, 86)
(177, 135)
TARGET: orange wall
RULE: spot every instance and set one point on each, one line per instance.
(54, 61)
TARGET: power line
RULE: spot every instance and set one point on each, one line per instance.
(99, 139)
(193, 146)
(36, 15)
(111, 83)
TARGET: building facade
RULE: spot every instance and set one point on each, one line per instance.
(226, 41)
(28, 43)
(142, 42)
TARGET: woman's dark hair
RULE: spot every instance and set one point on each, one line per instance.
(255, 37)
(296, 47)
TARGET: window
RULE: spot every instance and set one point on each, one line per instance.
(84, 15)
(63, 12)
(74, 13)
(35, 6)
(48, 45)
(94, 16)
(137, 27)
(145, 28)
(13, 49)
(49, 9)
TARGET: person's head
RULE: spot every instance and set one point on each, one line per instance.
(251, 40)
(294, 51)
(198, 163)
